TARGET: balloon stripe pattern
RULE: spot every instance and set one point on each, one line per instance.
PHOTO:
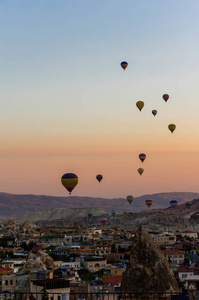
(149, 202)
(69, 181)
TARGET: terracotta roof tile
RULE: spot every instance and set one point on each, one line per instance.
(115, 280)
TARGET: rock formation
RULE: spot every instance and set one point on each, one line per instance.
(38, 261)
(148, 270)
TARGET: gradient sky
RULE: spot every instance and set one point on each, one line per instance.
(67, 105)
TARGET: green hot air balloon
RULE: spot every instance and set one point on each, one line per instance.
(140, 171)
(188, 204)
(130, 199)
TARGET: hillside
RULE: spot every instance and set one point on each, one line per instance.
(12, 205)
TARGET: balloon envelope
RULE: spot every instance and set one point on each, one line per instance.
(149, 202)
(140, 171)
(173, 203)
(140, 105)
(130, 199)
(90, 215)
(113, 212)
(142, 156)
(99, 177)
(69, 181)
(165, 97)
(124, 65)
(103, 221)
(172, 127)
(154, 112)
(188, 204)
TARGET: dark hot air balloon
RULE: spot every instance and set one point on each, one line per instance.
(124, 65)
(165, 97)
(113, 212)
(173, 203)
(99, 177)
(142, 156)
(154, 112)
(188, 204)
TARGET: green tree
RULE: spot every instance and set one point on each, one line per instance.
(113, 248)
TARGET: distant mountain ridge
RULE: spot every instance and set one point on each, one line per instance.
(13, 205)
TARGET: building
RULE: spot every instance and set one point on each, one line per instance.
(174, 256)
(165, 239)
(57, 286)
(7, 280)
(102, 249)
(190, 234)
(94, 263)
(117, 270)
(184, 272)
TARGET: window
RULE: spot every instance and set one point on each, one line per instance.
(11, 282)
(184, 275)
(6, 282)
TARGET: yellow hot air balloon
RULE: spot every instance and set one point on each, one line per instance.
(140, 171)
(140, 105)
(69, 181)
(172, 127)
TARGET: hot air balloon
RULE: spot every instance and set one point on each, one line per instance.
(188, 205)
(140, 171)
(173, 203)
(69, 181)
(103, 221)
(172, 127)
(113, 212)
(129, 198)
(165, 97)
(99, 177)
(142, 156)
(124, 65)
(90, 215)
(154, 112)
(140, 105)
(149, 202)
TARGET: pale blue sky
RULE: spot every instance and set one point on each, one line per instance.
(63, 90)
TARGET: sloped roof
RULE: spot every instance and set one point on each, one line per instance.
(114, 280)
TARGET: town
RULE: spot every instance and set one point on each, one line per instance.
(59, 258)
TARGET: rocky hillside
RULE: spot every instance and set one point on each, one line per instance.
(60, 213)
(12, 206)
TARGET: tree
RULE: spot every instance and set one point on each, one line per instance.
(113, 248)
(44, 294)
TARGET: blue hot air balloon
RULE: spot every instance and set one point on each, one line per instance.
(154, 112)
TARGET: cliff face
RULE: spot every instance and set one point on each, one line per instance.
(148, 270)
